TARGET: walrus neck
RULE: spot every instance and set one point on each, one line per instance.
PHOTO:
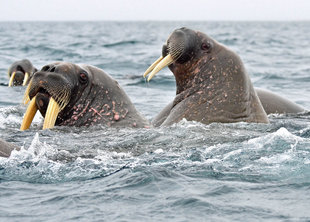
(185, 76)
(191, 80)
(222, 88)
(104, 106)
(98, 105)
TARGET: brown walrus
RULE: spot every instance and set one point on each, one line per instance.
(6, 148)
(79, 95)
(212, 83)
(20, 72)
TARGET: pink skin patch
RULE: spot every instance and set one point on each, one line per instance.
(116, 116)
(95, 111)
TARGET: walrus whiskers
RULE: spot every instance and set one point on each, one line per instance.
(62, 98)
(176, 50)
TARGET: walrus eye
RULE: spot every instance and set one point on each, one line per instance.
(206, 46)
(83, 78)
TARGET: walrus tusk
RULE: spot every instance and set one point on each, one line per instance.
(26, 100)
(152, 66)
(52, 112)
(26, 78)
(12, 79)
(29, 115)
(163, 63)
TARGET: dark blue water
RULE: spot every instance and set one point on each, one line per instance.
(186, 172)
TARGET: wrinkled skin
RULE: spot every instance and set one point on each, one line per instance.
(93, 97)
(20, 68)
(212, 84)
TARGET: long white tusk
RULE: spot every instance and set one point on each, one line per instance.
(152, 66)
(26, 78)
(12, 79)
(29, 115)
(52, 112)
(163, 63)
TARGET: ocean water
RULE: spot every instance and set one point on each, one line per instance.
(185, 172)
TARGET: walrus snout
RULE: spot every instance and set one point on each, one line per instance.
(49, 92)
(49, 68)
(179, 48)
(176, 44)
(49, 83)
(165, 51)
(172, 51)
(18, 78)
(181, 44)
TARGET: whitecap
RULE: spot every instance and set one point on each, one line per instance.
(8, 116)
(13, 116)
(35, 152)
(281, 134)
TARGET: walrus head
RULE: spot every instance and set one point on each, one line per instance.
(184, 49)
(211, 75)
(50, 91)
(20, 72)
(78, 95)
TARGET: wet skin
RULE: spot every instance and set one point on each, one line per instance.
(85, 96)
(6, 148)
(20, 72)
(212, 83)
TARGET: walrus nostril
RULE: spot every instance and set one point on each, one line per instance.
(179, 32)
(42, 90)
(53, 69)
(49, 68)
(45, 68)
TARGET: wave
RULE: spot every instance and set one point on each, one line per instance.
(228, 151)
(121, 43)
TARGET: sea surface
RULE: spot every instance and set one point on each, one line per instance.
(186, 172)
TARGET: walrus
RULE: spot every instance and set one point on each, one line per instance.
(78, 95)
(212, 84)
(6, 148)
(274, 103)
(20, 72)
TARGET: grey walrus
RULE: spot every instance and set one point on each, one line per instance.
(212, 83)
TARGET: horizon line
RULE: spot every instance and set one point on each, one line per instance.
(137, 20)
